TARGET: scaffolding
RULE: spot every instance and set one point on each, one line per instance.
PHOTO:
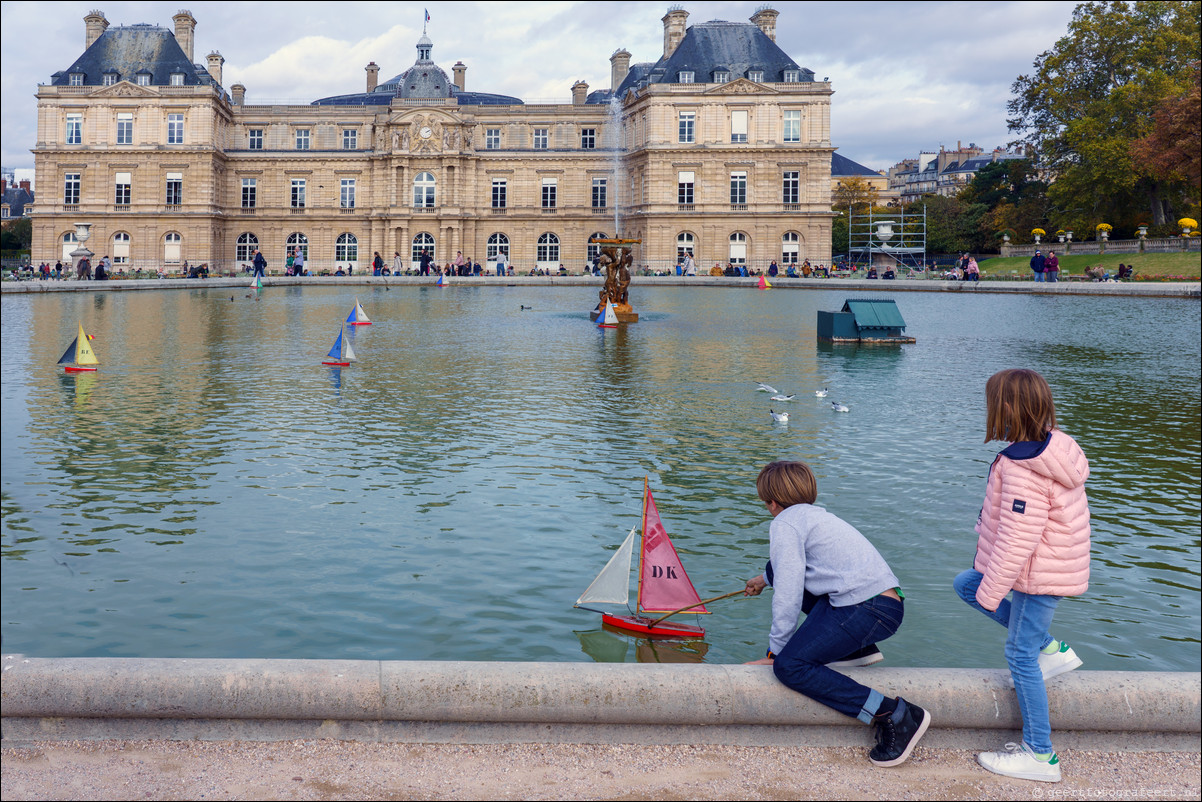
(878, 239)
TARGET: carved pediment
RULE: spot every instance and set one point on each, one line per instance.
(125, 89)
(427, 130)
(741, 86)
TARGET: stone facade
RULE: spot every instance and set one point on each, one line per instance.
(171, 168)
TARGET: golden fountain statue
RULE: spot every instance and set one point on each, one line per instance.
(616, 257)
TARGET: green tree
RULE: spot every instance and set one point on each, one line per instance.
(17, 235)
(953, 226)
(1094, 94)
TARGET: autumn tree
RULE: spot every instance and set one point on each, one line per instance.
(1173, 150)
(1094, 94)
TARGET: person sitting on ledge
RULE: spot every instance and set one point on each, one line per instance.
(716, 270)
(1125, 272)
(889, 273)
(872, 273)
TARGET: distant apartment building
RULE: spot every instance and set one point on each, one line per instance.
(945, 172)
(18, 199)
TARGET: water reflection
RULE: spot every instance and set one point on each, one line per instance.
(611, 645)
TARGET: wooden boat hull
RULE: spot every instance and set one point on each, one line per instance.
(75, 369)
(641, 625)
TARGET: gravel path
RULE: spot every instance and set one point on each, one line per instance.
(327, 769)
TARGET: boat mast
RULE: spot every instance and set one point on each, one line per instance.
(638, 601)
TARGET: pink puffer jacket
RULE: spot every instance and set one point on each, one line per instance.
(1034, 526)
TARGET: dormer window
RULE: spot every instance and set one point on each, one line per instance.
(685, 77)
(792, 76)
(177, 79)
(109, 78)
(75, 79)
(756, 75)
(143, 79)
(721, 76)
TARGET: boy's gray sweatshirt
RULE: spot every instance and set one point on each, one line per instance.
(812, 549)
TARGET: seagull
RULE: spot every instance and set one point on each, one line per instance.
(779, 397)
(767, 388)
(835, 405)
(821, 393)
(779, 417)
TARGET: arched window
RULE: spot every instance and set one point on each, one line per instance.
(172, 245)
(738, 249)
(245, 252)
(121, 248)
(295, 241)
(594, 250)
(790, 248)
(346, 251)
(423, 191)
(422, 242)
(70, 243)
(548, 251)
(685, 246)
(498, 246)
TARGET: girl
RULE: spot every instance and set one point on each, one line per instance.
(1033, 540)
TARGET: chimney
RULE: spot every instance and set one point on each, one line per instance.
(214, 61)
(373, 75)
(579, 93)
(94, 25)
(460, 70)
(185, 32)
(619, 65)
(765, 18)
(25, 185)
(239, 93)
(674, 25)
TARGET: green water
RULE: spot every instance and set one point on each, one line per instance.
(213, 491)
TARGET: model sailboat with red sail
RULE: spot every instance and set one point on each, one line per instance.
(664, 587)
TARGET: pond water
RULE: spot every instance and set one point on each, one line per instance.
(215, 492)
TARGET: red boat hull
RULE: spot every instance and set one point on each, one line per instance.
(337, 364)
(359, 323)
(73, 369)
(640, 625)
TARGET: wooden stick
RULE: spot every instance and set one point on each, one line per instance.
(698, 604)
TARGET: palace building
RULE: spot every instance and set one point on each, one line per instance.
(720, 147)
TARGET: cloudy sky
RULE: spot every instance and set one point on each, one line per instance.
(908, 76)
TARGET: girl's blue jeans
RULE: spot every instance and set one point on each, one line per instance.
(1027, 618)
(828, 634)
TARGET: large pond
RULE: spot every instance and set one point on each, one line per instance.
(215, 492)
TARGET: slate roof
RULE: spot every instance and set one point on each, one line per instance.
(708, 47)
(843, 167)
(17, 198)
(130, 49)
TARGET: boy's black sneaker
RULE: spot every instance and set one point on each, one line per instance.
(861, 657)
(898, 734)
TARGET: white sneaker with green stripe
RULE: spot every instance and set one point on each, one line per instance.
(1055, 659)
(1018, 761)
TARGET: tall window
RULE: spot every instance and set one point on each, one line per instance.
(594, 250)
(422, 242)
(302, 138)
(125, 129)
(255, 139)
(71, 189)
(738, 248)
(346, 193)
(498, 248)
(249, 192)
(791, 187)
(346, 249)
(350, 139)
(423, 191)
(245, 250)
(793, 126)
(74, 129)
(123, 186)
(588, 138)
(600, 188)
(685, 127)
(175, 129)
(172, 245)
(175, 189)
(684, 186)
(121, 248)
(790, 248)
(540, 138)
(499, 190)
(548, 249)
(549, 193)
(738, 126)
(738, 187)
(177, 79)
(492, 138)
(298, 193)
(685, 244)
(298, 241)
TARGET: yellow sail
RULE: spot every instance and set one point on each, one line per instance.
(84, 355)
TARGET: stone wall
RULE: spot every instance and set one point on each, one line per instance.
(1114, 246)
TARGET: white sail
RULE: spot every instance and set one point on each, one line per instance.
(612, 585)
(348, 353)
(611, 319)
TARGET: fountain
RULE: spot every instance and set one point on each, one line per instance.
(616, 258)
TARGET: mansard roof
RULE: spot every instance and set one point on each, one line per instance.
(16, 198)
(127, 50)
(843, 167)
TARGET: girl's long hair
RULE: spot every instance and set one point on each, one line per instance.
(1018, 406)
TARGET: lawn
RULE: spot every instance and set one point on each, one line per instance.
(1151, 265)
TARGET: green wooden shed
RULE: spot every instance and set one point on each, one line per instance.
(864, 320)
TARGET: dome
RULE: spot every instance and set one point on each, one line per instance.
(423, 80)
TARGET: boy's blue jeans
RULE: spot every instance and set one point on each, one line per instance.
(828, 634)
(1027, 619)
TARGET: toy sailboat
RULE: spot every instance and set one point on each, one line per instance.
(256, 283)
(443, 280)
(79, 356)
(608, 319)
(357, 317)
(764, 284)
(341, 355)
(664, 587)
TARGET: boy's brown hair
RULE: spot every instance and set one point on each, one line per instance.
(1018, 406)
(787, 483)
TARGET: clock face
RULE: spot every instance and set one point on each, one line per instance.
(425, 132)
